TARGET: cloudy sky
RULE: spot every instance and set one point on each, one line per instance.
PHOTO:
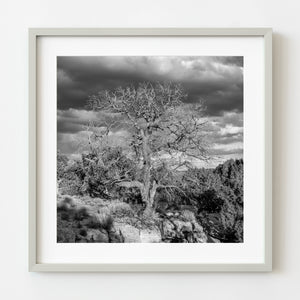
(218, 81)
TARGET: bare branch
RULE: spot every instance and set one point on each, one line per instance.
(130, 184)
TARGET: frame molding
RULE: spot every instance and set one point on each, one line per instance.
(34, 266)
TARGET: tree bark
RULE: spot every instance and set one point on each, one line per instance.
(148, 192)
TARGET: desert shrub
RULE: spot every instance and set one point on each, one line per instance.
(69, 201)
(71, 181)
(85, 223)
(66, 215)
(66, 203)
(102, 171)
(62, 207)
(83, 232)
(65, 231)
(217, 195)
(62, 163)
(95, 174)
(210, 202)
(107, 223)
(131, 196)
(232, 223)
(65, 235)
(81, 213)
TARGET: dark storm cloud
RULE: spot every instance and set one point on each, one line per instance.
(88, 75)
(218, 81)
(230, 60)
(76, 120)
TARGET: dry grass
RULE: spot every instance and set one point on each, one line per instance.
(100, 221)
(120, 209)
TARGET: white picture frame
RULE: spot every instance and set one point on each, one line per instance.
(35, 265)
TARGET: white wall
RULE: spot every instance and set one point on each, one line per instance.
(17, 16)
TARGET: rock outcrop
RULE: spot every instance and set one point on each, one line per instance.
(78, 223)
(176, 228)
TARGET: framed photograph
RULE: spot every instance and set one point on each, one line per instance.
(150, 150)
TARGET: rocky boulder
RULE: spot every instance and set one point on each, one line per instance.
(180, 227)
(150, 235)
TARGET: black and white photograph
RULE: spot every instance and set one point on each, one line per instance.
(150, 149)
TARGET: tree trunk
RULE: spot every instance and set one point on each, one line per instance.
(150, 201)
(149, 191)
(147, 188)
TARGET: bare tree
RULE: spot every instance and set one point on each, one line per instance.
(164, 131)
